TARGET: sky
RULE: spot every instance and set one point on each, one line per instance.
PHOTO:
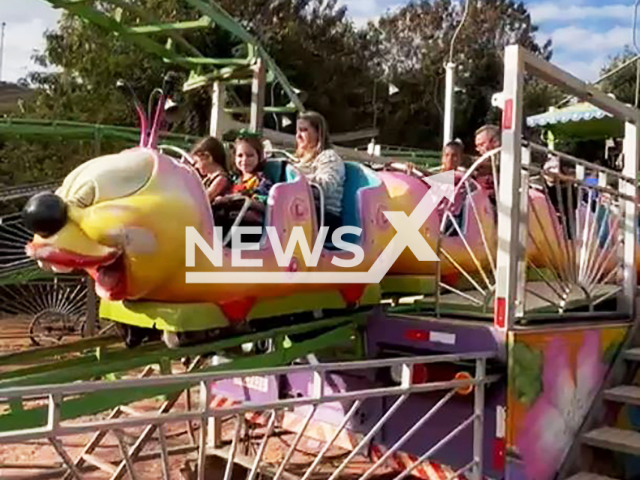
(585, 33)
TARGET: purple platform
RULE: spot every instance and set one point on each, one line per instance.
(388, 336)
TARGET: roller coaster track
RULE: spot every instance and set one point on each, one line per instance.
(24, 191)
(106, 357)
(59, 397)
(144, 30)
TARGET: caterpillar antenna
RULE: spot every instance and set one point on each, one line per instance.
(142, 117)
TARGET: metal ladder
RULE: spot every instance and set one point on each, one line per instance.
(598, 443)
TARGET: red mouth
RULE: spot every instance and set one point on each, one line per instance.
(108, 271)
(111, 279)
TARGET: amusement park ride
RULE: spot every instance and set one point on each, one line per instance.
(512, 357)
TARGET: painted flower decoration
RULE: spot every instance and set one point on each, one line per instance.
(552, 422)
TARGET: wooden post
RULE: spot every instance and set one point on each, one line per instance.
(216, 129)
(92, 309)
(91, 326)
(258, 95)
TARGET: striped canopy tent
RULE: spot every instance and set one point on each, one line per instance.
(580, 121)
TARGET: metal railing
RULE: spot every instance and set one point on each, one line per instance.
(571, 225)
(467, 243)
(578, 258)
(209, 418)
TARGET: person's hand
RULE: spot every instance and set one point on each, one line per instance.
(228, 199)
(256, 205)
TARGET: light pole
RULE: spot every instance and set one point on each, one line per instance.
(2, 48)
(450, 68)
(450, 82)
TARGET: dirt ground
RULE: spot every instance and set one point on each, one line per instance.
(38, 459)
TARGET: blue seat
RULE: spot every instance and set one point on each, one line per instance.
(357, 177)
(279, 171)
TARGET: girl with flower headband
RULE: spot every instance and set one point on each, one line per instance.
(249, 160)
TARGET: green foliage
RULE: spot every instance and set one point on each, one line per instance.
(46, 159)
(526, 373)
(417, 42)
(342, 70)
(622, 84)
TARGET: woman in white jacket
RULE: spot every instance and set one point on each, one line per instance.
(321, 164)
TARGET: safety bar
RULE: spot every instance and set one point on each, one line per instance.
(178, 150)
(243, 212)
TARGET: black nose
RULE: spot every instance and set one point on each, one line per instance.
(45, 214)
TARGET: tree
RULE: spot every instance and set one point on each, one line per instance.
(311, 40)
(416, 46)
(337, 65)
(320, 52)
(623, 83)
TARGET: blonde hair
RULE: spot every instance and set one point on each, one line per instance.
(319, 124)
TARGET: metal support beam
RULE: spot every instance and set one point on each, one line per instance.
(92, 309)
(508, 198)
(258, 96)
(224, 20)
(573, 86)
(104, 21)
(478, 421)
(164, 27)
(524, 234)
(631, 150)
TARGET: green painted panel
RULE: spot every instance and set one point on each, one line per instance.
(92, 404)
(409, 284)
(309, 302)
(173, 317)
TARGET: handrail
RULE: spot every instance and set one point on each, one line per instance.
(321, 199)
(578, 161)
(180, 151)
(241, 214)
(316, 397)
(39, 391)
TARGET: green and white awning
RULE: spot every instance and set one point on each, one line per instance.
(580, 121)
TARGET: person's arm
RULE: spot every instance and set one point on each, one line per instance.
(217, 187)
(329, 172)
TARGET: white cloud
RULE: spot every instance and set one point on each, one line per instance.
(583, 52)
(548, 11)
(576, 39)
(588, 70)
(363, 11)
(26, 22)
(362, 8)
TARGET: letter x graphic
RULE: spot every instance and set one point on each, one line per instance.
(408, 227)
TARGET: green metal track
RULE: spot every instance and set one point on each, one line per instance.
(103, 358)
(13, 127)
(147, 29)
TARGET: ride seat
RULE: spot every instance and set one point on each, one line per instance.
(357, 177)
(279, 171)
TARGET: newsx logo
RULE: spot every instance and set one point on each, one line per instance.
(407, 236)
